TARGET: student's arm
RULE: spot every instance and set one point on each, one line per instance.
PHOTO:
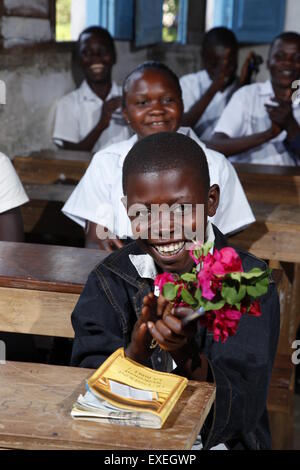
(89, 141)
(283, 116)
(192, 116)
(92, 239)
(11, 226)
(98, 319)
(222, 143)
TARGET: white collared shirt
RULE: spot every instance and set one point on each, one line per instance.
(97, 197)
(12, 193)
(245, 115)
(193, 86)
(78, 113)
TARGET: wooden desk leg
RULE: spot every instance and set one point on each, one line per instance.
(282, 420)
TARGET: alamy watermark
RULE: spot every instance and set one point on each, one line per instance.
(156, 221)
(2, 92)
(296, 354)
(2, 352)
(296, 94)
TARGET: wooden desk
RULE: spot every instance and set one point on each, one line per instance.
(40, 285)
(276, 233)
(49, 167)
(35, 405)
(268, 183)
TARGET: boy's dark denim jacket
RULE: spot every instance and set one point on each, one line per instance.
(241, 367)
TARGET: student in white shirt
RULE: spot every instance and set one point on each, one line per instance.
(90, 117)
(261, 123)
(206, 92)
(12, 196)
(151, 103)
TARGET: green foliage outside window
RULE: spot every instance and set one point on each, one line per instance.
(63, 20)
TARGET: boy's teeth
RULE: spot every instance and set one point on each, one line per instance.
(170, 249)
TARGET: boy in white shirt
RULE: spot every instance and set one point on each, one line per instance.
(152, 103)
(12, 196)
(261, 123)
(206, 92)
(90, 118)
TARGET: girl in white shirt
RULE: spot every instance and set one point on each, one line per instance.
(151, 103)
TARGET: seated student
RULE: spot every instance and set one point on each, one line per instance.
(89, 117)
(117, 307)
(151, 104)
(12, 196)
(206, 92)
(261, 123)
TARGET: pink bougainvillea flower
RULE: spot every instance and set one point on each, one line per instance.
(162, 279)
(255, 308)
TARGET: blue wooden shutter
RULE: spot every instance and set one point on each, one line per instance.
(182, 21)
(253, 21)
(115, 15)
(148, 22)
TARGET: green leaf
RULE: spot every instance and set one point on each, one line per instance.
(188, 277)
(258, 289)
(229, 293)
(187, 297)
(169, 291)
(214, 306)
(236, 276)
(255, 272)
(241, 293)
(206, 247)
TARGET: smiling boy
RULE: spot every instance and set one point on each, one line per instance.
(87, 118)
(117, 307)
(261, 123)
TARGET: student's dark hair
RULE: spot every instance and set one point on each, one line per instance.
(105, 35)
(219, 36)
(152, 65)
(166, 151)
(288, 36)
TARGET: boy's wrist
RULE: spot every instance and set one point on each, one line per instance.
(136, 355)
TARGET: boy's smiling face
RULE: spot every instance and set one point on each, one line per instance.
(220, 58)
(153, 103)
(284, 62)
(177, 186)
(96, 57)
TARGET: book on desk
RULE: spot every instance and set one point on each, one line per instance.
(125, 392)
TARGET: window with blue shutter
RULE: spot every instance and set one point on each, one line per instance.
(138, 20)
(117, 16)
(148, 22)
(253, 21)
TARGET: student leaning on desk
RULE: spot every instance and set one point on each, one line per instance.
(261, 123)
(12, 196)
(117, 307)
(90, 118)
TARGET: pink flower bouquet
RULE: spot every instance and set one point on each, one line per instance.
(217, 287)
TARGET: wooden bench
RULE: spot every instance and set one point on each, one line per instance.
(43, 220)
(51, 167)
(267, 183)
(36, 401)
(40, 285)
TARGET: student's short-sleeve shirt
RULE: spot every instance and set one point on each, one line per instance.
(193, 86)
(12, 193)
(245, 115)
(97, 197)
(78, 113)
